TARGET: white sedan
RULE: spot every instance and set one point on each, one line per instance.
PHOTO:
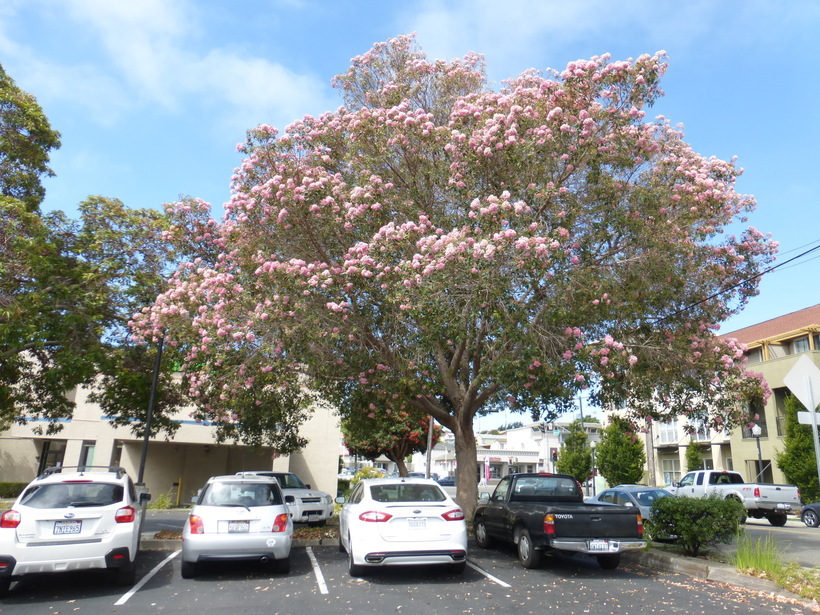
(401, 521)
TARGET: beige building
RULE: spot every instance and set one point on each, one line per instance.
(774, 346)
(177, 466)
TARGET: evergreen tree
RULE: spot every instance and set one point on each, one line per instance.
(694, 456)
(797, 460)
(620, 454)
(575, 458)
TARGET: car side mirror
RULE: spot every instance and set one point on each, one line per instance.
(290, 500)
(630, 504)
(340, 499)
(308, 486)
(484, 496)
(195, 499)
(145, 497)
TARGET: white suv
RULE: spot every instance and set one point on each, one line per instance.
(73, 518)
(306, 505)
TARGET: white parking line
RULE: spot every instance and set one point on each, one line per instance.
(320, 579)
(488, 575)
(145, 579)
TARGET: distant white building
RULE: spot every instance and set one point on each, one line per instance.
(523, 449)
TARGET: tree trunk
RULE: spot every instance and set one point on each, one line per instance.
(466, 481)
(402, 467)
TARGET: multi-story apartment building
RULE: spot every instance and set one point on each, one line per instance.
(774, 346)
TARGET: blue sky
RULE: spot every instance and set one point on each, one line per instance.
(151, 97)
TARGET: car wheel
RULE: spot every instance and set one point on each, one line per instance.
(189, 569)
(482, 538)
(126, 576)
(5, 585)
(778, 519)
(810, 518)
(609, 561)
(355, 570)
(283, 565)
(528, 555)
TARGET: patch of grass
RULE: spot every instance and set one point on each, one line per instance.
(762, 558)
(760, 554)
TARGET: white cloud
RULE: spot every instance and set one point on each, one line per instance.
(146, 54)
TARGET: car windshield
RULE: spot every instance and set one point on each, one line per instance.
(239, 494)
(407, 492)
(290, 481)
(646, 498)
(64, 495)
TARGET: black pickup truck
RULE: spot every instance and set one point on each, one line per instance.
(542, 512)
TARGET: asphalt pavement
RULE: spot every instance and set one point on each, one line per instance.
(655, 558)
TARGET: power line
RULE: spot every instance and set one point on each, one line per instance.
(744, 281)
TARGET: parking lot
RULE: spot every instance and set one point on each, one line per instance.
(494, 582)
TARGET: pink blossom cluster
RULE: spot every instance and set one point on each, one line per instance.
(463, 241)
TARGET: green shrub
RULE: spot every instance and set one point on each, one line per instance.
(10, 491)
(366, 472)
(695, 523)
(343, 486)
(164, 501)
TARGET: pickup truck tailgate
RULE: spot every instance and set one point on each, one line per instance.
(596, 521)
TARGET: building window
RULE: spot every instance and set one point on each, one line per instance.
(701, 434)
(116, 454)
(51, 455)
(801, 344)
(667, 433)
(755, 355)
(87, 454)
(671, 470)
(757, 416)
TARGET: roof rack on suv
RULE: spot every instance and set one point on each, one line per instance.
(120, 471)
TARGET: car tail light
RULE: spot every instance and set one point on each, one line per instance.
(454, 515)
(125, 515)
(549, 524)
(10, 518)
(280, 524)
(757, 492)
(640, 525)
(375, 516)
(195, 524)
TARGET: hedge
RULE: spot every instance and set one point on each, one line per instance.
(11, 490)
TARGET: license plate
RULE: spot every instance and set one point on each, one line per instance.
(315, 517)
(784, 506)
(599, 545)
(236, 527)
(417, 524)
(68, 527)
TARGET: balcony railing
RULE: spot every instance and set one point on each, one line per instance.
(764, 431)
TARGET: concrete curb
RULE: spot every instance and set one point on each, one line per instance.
(148, 542)
(716, 572)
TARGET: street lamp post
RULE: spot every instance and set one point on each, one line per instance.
(756, 432)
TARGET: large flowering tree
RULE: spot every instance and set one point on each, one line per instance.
(440, 246)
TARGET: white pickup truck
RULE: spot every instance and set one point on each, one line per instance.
(774, 502)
